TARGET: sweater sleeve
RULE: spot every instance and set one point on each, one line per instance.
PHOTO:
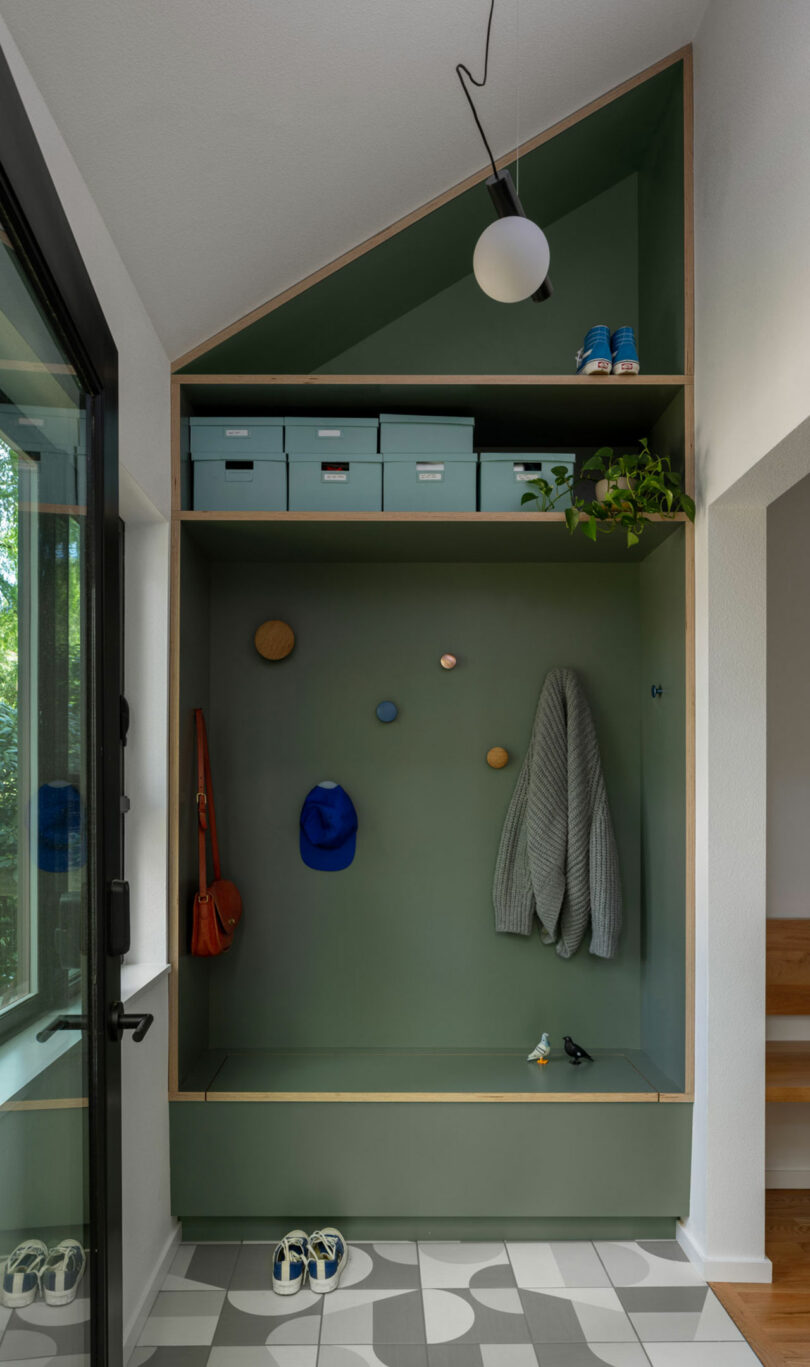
(606, 889)
(512, 893)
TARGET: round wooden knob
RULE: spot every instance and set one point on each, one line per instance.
(274, 640)
(497, 757)
(448, 661)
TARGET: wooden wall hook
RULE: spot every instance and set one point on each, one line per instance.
(274, 640)
(497, 757)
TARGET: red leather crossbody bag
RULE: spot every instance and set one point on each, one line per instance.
(218, 907)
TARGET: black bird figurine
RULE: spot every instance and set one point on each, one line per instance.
(575, 1051)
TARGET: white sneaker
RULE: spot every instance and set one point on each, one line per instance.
(327, 1257)
(21, 1273)
(62, 1272)
(290, 1263)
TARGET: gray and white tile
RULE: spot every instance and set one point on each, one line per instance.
(182, 1319)
(250, 1319)
(202, 1267)
(580, 1315)
(390, 1266)
(58, 1333)
(476, 1316)
(482, 1355)
(169, 1357)
(678, 1314)
(288, 1355)
(541, 1265)
(648, 1262)
(592, 1355)
(372, 1317)
(452, 1266)
(702, 1355)
(373, 1355)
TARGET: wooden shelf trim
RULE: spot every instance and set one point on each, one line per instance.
(476, 518)
(523, 1098)
(787, 971)
(787, 1070)
(322, 378)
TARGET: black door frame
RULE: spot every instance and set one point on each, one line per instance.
(43, 238)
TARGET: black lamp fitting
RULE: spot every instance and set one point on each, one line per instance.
(504, 197)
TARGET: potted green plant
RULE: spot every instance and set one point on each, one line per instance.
(630, 489)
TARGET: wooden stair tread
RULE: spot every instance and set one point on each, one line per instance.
(787, 990)
(787, 1070)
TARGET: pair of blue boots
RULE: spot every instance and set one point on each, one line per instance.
(606, 354)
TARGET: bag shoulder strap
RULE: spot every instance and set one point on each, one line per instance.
(206, 816)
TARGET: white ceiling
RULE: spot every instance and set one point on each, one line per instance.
(233, 146)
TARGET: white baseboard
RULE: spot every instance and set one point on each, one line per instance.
(723, 1269)
(133, 1330)
(788, 1179)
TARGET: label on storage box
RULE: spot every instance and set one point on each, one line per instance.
(335, 476)
(237, 432)
(426, 472)
(328, 431)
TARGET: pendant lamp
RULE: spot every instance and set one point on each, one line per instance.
(512, 255)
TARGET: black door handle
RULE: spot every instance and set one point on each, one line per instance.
(61, 1023)
(120, 1021)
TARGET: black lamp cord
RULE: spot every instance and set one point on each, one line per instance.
(462, 71)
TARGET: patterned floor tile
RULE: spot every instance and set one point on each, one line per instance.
(378, 1317)
(378, 1355)
(169, 1357)
(286, 1356)
(182, 1318)
(670, 1314)
(382, 1267)
(482, 1355)
(556, 1264)
(481, 1315)
(58, 1332)
(252, 1318)
(702, 1355)
(583, 1315)
(592, 1355)
(202, 1267)
(455, 1265)
(253, 1270)
(650, 1262)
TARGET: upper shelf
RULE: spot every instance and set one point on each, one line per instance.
(426, 538)
(510, 410)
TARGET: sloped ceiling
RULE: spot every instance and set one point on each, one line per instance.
(234, 146)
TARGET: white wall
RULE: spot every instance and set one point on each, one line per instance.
(752, 197)
(144, 437)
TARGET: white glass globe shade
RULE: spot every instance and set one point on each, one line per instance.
(511, 259)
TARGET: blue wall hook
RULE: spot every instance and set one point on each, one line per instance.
(387, 711)
(656, 691)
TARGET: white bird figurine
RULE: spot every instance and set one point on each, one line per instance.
(542, 1052)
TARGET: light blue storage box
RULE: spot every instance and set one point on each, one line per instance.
(443, 483)
(505, 477)
(236, 438)
(239, 464)
(345, 484)
(53, 439)
(409, 434)
(331, 438)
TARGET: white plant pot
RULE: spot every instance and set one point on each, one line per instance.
(602, 486)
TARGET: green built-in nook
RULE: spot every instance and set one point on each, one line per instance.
(360, 1053)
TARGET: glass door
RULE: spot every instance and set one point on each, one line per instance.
(63, 910)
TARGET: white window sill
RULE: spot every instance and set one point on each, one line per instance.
(22, 1057)
(136, 977)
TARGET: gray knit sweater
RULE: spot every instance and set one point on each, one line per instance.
(557, 857)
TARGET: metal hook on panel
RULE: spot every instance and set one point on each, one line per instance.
(656, 690)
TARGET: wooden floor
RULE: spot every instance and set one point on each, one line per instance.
(787, 1071)
(776, 1319)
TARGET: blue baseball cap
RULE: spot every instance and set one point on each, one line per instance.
(328, 828)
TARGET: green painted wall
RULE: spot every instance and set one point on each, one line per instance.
(661, 244)
(569, 173)
(400, 950)
(620, 1160)
(663, 812)
(594, 253)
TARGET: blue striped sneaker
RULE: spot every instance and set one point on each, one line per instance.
(327, 1258)
(594, 356)
(21, 1273)
(62, 1272)
(290, 1263)
(624, 352)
